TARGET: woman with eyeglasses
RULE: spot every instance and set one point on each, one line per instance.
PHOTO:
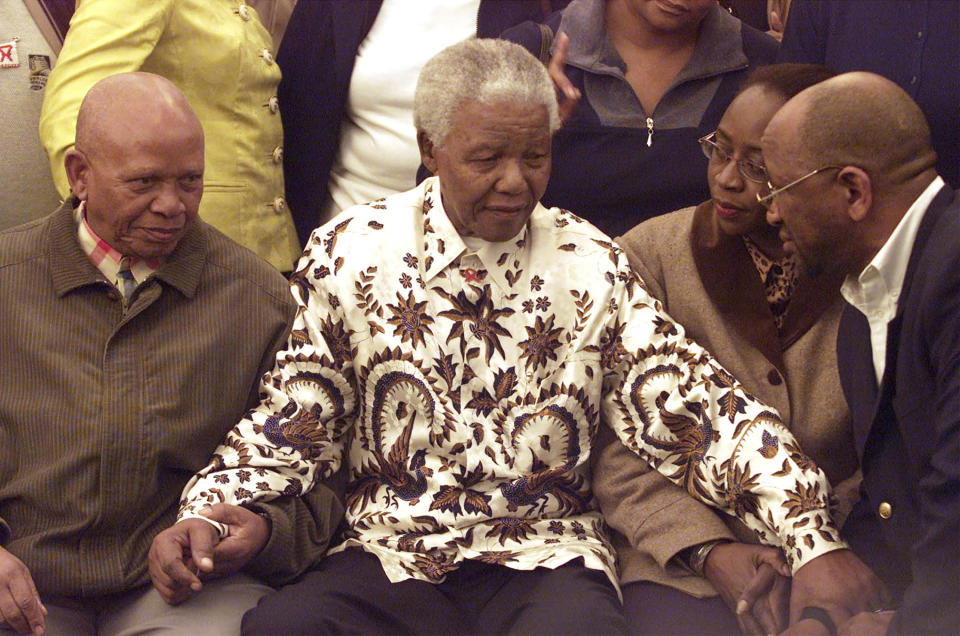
(640, 81)
(721, 272)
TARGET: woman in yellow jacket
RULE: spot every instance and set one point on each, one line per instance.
(220, 55)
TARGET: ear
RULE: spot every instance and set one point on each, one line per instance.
(78, 172)
(427, 151)
(858, 191)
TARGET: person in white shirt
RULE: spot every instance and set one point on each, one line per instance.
(854, 186)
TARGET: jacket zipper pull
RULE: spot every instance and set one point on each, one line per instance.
(649, 131)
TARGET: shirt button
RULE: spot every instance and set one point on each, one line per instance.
(919, 34)
(273, 104)
(913, 80)
(885, 510)
(279, 205)
(277, 154)
(774, 377)
(267, 56)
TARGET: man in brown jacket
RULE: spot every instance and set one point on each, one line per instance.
(132, 338)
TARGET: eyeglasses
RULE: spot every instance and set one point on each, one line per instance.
(749, 169)
(767, 200)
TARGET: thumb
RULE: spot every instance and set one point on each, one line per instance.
(759, 585)
(203, 538)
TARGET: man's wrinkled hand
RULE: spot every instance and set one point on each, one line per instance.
(248, 533)
(839, 583)
(191, 551)
(753, 581)
(179, 555)
(20, 607)
(569, 94)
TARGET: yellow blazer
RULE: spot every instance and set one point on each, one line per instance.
(219, 54)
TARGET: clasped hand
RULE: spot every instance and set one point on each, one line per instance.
(191, 551)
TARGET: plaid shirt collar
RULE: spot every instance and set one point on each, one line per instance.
(104, 257)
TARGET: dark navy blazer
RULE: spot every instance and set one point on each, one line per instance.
(908, 432)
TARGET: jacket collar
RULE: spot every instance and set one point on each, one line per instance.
(71, 269)
(719, 46)
(734, 287)
(931, 216)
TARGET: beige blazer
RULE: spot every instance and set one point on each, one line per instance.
(709, 284)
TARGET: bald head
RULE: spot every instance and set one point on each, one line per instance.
(860, 119)
(137, 164)
(120, 103)
(850, 155)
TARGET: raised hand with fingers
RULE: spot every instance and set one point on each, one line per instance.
(20, 607)
(569, 95)
(179, 555)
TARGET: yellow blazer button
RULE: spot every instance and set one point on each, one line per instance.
(274, 104)
(244, 12)
(267, 56)
(885, 510)
(277, 154)
(279, 205)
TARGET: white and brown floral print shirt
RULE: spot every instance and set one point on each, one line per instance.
(466, 387)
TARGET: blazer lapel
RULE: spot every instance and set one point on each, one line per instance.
(857, 373)
(854, 352)
(733, 284)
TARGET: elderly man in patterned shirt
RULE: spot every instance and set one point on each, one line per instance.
(461, 345)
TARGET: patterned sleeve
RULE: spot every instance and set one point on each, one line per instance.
(675, 406)
(296, 435)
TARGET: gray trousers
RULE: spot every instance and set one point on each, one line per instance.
(215, 611)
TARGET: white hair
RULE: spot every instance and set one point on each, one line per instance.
(479, 70)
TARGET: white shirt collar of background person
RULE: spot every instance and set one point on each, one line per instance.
(876, 290)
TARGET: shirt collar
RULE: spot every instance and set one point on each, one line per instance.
(886, 272)
(105, 257)
(442, 244)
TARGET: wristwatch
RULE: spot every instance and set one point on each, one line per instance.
(694, 558)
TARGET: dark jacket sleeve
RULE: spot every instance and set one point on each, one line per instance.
(931, 605)
(302, 529)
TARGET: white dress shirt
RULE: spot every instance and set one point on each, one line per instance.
(876, 290)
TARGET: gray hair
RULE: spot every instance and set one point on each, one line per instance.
(479, 70)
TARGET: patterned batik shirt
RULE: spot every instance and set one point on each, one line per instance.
(466, 388)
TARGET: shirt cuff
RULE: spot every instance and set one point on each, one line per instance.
(222, 529)
(812, 534)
